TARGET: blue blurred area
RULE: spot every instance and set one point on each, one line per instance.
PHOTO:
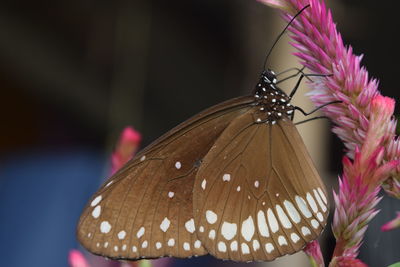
(41, 196)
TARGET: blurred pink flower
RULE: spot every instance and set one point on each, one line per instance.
(393, 224)
(126, 147)
(313, 251)
(76, 259)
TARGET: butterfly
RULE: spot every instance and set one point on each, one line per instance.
(234, 181)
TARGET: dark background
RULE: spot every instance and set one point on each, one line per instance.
(74, 73)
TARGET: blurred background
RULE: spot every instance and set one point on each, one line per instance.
(73, 74)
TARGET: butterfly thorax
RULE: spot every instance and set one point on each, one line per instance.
(272, 102)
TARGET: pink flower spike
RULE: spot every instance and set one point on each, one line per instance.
(393, 224)
(347, 261)
(76, 259)
(281, 4)
(313, 251)
(127, 146)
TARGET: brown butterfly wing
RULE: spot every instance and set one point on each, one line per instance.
(257, 195)
(145, 210)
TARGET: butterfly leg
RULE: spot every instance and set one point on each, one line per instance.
(301, 78)
(291, 76)
(311, 119)
(314, 110)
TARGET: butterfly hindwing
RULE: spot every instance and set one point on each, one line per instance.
(145, 210)
(257, 195)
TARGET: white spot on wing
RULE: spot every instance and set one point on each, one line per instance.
(96, 201)
(294, 237)
(320, 217)
(256, 245)
(186, 246)
(201, 229)
(105, 227)
(171, 194)
(145, 244)
(158, 245)
(115, 248)
(256, 184)
(319, 200)
(269, 247)
(305, 231)
(121, 235)
(197, 244)
(234, 245)
(322, 195)
(262, 224)
(134, 249)
(282, 241)
(228, 230)
(245, 248)
(211, 234)
(171, 242)
(203, 184)
(301, 203)
(312, 203)
(221, 246)
(189, 225)
(140, 232)
(283, 218)
(165, 224)
(96, 212)
(238, 188)
(178, 165)
(211, 216)
(247, 229)
(226, 177)
(273, 223)
(291, 210)
(142, 158)
(314, 223)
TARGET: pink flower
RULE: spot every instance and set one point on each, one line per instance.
(76, 259)
(395, 223)
(313, 251)
(348, 262)
(357, 198)
(127, 146)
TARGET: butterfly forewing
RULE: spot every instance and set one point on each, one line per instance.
(257, 195)
(145, 210)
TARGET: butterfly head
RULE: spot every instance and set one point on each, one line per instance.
(273, 103)
(269, 76)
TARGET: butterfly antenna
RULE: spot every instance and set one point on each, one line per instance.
(280, 35)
